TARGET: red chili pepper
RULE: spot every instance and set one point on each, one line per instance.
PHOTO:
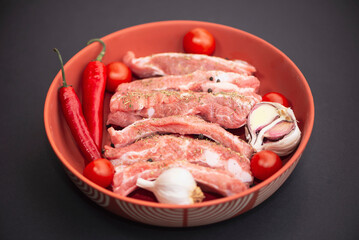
(93, 86)
(71, 107)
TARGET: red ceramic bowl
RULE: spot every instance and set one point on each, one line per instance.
(275, 71)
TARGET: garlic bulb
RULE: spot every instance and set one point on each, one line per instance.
(174, 186)
(271, 126)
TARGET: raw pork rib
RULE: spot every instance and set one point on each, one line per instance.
(222, 182)
(229, 110)
(183, 125)
(168, 147)
(182, 63)
(198, 81)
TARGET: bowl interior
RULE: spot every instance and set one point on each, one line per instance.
(275, 71)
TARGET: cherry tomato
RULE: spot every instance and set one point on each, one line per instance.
(117, 73)
(199, 41)
(100, 171)
(264, 164)
(276, 97)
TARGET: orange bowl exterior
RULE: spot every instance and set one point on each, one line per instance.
(275, 71)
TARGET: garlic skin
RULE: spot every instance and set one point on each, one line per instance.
(290, 138)
(174, 186)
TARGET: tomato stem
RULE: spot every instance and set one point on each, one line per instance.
(64, 83)
(102, 53)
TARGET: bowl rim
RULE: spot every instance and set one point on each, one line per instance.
(297, 154)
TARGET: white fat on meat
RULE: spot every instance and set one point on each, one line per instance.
(223, 77)
(238, 172)
(129, 156)
(212, 158)
(150, 112)
(220, 87)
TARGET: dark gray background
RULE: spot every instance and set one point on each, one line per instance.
(319, 200)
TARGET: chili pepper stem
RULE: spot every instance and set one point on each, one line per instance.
(102, 53)
(64, 83)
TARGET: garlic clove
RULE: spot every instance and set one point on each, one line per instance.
(174, 186)
(286, 145)
(262, 115)
(279, 130)
(282, 131)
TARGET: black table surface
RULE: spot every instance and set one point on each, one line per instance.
(318, 201)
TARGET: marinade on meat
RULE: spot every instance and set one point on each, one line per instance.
(220, 181)
(229, 110)
(169, 147)
(184, 125)
(198, 81)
